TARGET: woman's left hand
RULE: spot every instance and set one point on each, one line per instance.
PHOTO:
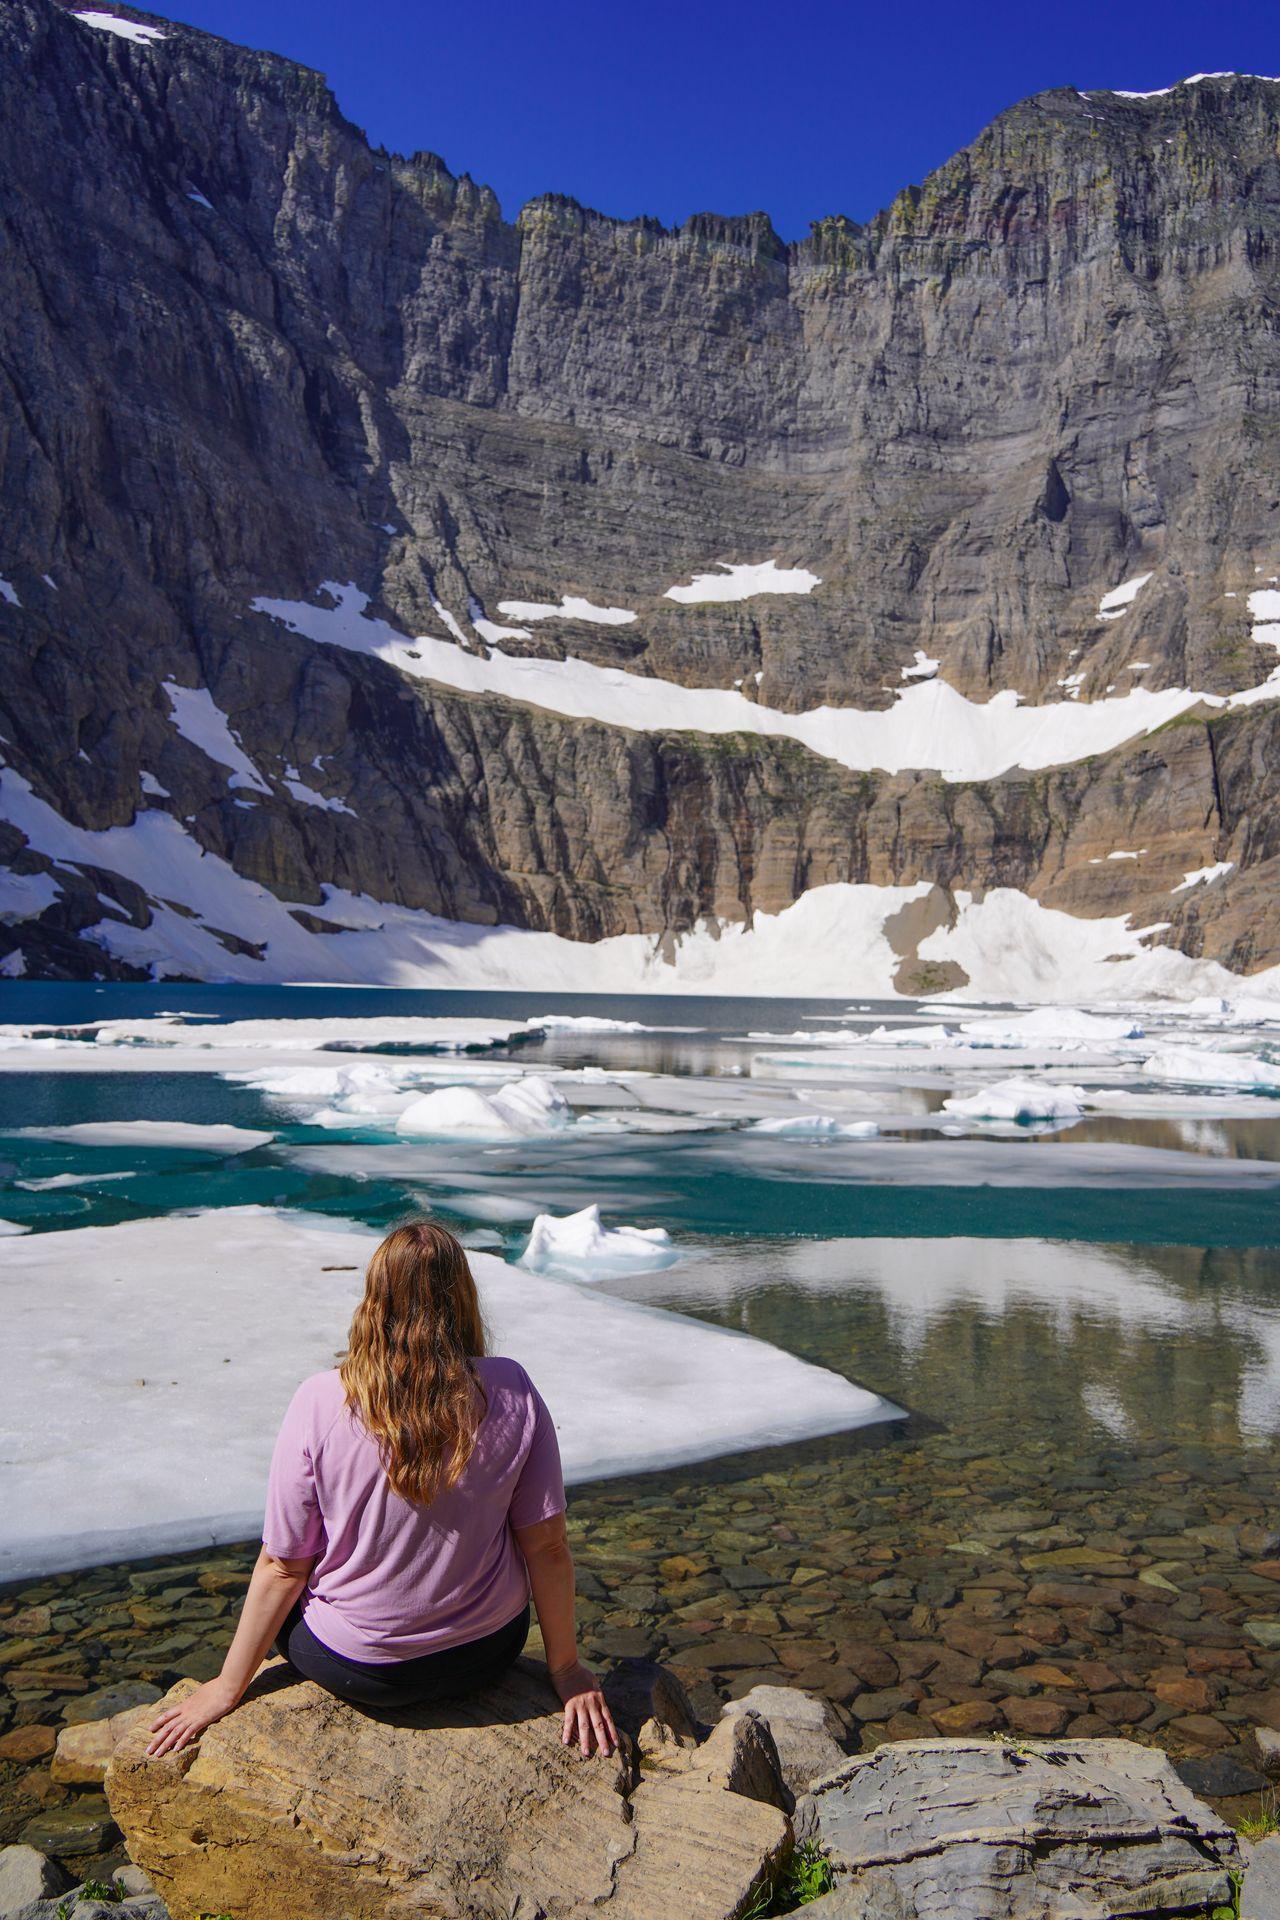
(177, 1726)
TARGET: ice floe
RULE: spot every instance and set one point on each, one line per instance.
(1018, 1100)
(127, 1329)
(817, 1126)
(580, 1244)
(187, 1135)
(9, 1229)
(929, 726)
(1194, 1068)
(570, 607)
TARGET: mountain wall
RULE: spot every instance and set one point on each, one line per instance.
(243, 354)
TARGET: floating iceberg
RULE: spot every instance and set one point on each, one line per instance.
(1019, 1100)
(188, 1135)
(579, 1240)
(1185, 1066)
(817, 1126)
(521, 1108)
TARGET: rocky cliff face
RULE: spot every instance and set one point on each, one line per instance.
(243, 354)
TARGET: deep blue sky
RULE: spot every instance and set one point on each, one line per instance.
(672, 107)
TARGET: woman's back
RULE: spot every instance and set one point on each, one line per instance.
(393, 1580)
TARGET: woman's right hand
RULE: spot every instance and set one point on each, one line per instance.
(586, 1717)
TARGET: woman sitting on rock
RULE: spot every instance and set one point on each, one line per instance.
(415, 1503)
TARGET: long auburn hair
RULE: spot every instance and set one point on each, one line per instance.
(409, 1371)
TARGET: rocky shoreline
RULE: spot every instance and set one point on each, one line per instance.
(923, 1586)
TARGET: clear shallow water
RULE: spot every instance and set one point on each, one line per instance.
(1085, 1324)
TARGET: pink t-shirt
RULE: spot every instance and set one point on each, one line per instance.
(392, 1580)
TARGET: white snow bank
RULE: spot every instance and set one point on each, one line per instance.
(1113, 604)
(571, 607)
(741, 583)
(125, 1330)
(529, 1106)
(1018, 1100)
(123, 29)
(922, 667)
(189, 1135)
(1204, 875)
(205, 725)
(817, 1126)
(579, 1241)
(1012, 948)
(1191, 1068)
(930, 725)
(24, 895)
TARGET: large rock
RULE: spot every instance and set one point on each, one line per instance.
(804, 1729)
(982, 1830)
(27, 1875)
(298, 1807)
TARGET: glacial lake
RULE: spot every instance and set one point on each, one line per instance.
(1075, 1525)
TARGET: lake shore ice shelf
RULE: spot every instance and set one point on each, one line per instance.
(128, 1328)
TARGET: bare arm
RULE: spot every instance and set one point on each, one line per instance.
(273, 1588)
(545, 1547)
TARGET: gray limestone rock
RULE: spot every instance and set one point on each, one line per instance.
(984, 1830)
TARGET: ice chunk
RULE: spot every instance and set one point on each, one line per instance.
(742, 582)
(188, 1135)
(579, 1240)
(1192, 1068)
(523, 1107)
(8, 1228)
(817, 1126)
(1019, 1100)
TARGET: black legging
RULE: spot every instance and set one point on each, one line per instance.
(401, 1683)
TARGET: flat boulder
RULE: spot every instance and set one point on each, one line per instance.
(300, 1807)
(992, 1830)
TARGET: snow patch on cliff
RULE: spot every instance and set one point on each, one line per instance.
(743, 583)
(204, 724)
(930, 726)
(571, 607)
(123, 29)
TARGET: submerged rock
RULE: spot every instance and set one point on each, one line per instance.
(978, 1830)
(299, 1807)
